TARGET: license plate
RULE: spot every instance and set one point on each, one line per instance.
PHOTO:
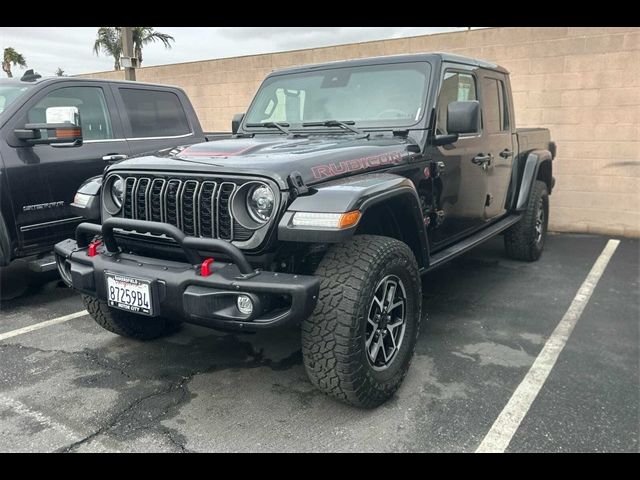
(128, 293)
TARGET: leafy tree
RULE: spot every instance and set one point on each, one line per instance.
(60, 72)
(11, 57)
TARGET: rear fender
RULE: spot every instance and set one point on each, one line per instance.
(537, 165)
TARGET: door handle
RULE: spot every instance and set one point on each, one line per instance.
(483, 160)
(114, 157)
(506, 153)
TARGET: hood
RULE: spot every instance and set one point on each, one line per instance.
(316, 158)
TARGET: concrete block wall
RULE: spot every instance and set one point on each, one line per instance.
(581, 82)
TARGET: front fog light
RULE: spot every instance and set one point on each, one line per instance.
(245, 304)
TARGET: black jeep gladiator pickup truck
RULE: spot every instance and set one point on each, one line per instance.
(341, 186)
(57, 132)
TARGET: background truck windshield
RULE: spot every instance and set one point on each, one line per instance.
(8, 93)
(389, 95)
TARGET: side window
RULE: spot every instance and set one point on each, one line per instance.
(504, 107)
(456, 87)
(91, 105)
(154, 113)
(495, 113)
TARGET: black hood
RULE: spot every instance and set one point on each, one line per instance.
(317, 158)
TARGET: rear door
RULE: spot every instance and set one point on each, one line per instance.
(155, 118)
(462, 184)
(498, 124)
(43, 179)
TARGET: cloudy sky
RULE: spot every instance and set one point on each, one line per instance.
(70, 48)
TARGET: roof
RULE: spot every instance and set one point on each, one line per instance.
(413, 57)
(46, 80)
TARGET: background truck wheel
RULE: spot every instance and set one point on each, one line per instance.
(128, 324)
(358, 343)
(525, 240)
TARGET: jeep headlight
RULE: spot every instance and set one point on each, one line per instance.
(113, 190)
(117, 191)
(260, 202)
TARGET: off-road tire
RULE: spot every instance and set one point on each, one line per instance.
(521, 241)
(333, 337)
(128, 324)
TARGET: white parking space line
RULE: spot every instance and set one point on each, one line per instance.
(38, 326)
(22, 409)
(507, 423)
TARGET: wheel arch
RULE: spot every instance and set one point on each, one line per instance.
(389, 197)
(537, 166)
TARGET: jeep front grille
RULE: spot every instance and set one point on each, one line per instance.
(198, 208)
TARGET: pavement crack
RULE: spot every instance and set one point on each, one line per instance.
(119, 416)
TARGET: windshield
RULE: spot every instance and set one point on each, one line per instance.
(391, 95)
(8, 93)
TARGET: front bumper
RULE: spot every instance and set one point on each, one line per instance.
(178, 289)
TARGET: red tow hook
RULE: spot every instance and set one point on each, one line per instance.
(205, 269)
(93, 248)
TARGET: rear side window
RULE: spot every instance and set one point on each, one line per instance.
(154, 113)
(496, 115)
(91, 105)
(456, 87)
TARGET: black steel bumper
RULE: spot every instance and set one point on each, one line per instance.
(178, 289)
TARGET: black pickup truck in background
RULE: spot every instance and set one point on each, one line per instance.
(57, 132)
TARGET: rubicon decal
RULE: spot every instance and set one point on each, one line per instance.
(353, 165)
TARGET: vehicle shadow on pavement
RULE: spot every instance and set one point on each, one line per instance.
(17, 281)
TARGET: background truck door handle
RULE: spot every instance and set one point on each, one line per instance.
(506, 153)
(114, 157)
(483, 160)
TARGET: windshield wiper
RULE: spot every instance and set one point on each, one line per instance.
(346, 125)
(279, 125)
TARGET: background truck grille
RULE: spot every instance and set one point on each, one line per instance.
(198, 208)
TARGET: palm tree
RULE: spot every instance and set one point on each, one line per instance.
(59, 72)
(145, 35)
(11, 57)
(109, 42)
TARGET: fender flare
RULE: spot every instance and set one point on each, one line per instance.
(360, 192)
(532, 163)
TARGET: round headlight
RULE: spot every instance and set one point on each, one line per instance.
(117, 191)
(260, 201)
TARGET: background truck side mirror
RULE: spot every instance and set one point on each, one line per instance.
(235, 123)
(62, 129)
(463, 117)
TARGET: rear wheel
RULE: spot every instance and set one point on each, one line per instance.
(525, 240)
(128, 324)
(359, 342)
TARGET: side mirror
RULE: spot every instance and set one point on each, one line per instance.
(463, 117)
(62, 129)
(235, 123)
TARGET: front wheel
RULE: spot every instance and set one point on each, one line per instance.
(128, 324)
(358, 343)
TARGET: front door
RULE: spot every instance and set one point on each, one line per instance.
(462, 183)
(43, 179)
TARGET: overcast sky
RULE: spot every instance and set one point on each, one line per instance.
(70, 48)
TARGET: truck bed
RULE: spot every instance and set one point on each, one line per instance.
(533, 139)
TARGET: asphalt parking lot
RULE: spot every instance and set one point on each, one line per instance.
(72, 386)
